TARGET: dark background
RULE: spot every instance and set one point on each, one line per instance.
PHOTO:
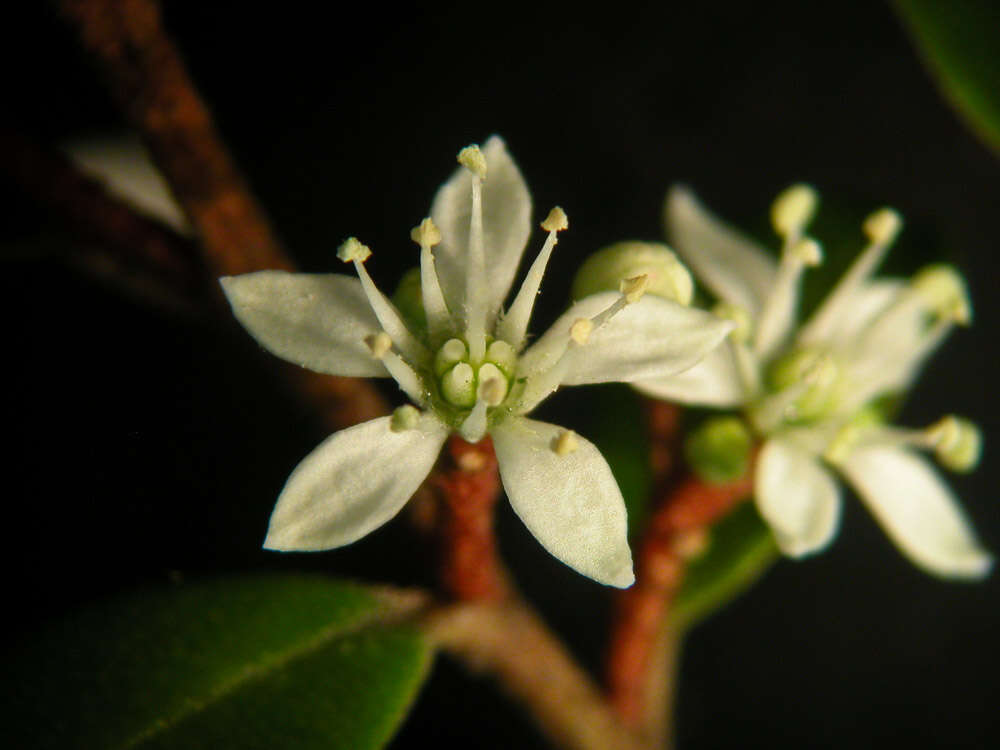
(149, 447)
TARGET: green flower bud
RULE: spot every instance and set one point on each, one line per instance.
(408, 300)
(604, 270)
(719, 450)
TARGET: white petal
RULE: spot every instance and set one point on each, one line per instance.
(317, 321)
(867, 303)
(506, 226)
(355, 481)
(917, 511)
(714, 381)
(647, 340)
(734, 267)
(888, 354)
(797, 496)
(571, 503)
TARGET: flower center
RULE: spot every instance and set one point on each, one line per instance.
(462, 381)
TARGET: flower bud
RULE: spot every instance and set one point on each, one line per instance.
(604, 271)
(719, 449)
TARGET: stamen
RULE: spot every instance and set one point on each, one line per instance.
(352, 249)
(475, 269)
(634, 288)
(472, 159)
(565, 443)
(580, 330)
(385, 311)
(379, 343)
(881, 228)
(404, 418)
(958, 443)
(792, 211)
(407, 378)
(427, 235)
(514, 325)
(943, 289)
(474, 426)
(779, 309)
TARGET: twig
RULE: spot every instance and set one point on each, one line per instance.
(514, 645)
(467, 488)
(676, 532)
(148, 80)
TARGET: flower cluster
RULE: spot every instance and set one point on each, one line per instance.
(468, 370)
(812, 391)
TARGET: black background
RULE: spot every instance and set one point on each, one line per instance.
(149, 447)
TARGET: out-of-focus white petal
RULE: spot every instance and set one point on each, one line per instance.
(917, 510)
(647, 340)
(887, 355)
(506, 226)
(570, 502)
(715, 381)
(124, 164)
(869, 301)
(318, 321)
(734, 267)
(797, 496)
(355, 481)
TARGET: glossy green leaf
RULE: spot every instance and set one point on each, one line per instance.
(614, 422)
(959, 41)
(266, 662)
(740, 549)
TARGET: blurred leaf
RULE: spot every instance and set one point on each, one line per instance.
(614, 422)
(266, 662)
(740, 549)
(960, 43)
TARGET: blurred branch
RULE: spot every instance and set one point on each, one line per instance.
(148, 80)
(644, 647)
(514, 645)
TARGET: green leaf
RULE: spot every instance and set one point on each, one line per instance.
(959, 41)
(265, 662)
(614, 422)
(740, 549)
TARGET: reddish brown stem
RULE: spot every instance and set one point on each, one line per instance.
(148, 79)
(675, 532)
(468, 486)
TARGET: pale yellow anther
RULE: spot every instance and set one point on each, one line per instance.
(472, 159)
(427, 234)
(793, 209)
(944, 291)
(821, 373)
(502, 355)
(404, 418)
(580, 330)
(957, 442)
(743, 324)
(634, 288)
(882, 226)
(378, 343)
(565, 443)
(352, 249)
(808, 251)
(556, 221)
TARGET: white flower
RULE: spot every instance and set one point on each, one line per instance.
(468, 372)
(809, 391)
